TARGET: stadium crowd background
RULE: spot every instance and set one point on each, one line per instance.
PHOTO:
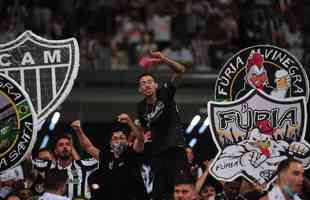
(114, 34)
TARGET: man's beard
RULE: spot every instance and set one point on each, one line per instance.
(64, 156)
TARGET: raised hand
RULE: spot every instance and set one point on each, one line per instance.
(156, 56)
(207, 163)
(147, 137)
(76, 124)
(124, 118)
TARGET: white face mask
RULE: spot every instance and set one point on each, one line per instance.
(118, 148)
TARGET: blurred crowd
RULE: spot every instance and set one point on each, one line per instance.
(115, 34)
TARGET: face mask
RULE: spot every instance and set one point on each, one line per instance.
(288, 191)
(118, 148)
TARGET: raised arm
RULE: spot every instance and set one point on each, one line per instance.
(75, 154)
(202, 179)
(84, 140)
(177, 68)
(138, 145)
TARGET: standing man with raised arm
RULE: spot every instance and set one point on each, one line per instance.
(118, 161)
(158, 113)
(78, 170)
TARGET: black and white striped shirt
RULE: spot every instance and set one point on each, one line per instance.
(78, 173)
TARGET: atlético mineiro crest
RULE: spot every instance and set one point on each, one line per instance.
(270, 69)
(18, 122)
(259, 117)
(255, 133)
(46, 69)
(36, 75)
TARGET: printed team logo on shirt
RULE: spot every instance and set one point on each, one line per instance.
(267, 68)
(18, 123)
(155, 113)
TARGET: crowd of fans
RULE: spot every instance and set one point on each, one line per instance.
(142, 160)
(114, 34)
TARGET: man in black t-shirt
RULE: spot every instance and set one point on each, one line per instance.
(119, 166)
(158, 113)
